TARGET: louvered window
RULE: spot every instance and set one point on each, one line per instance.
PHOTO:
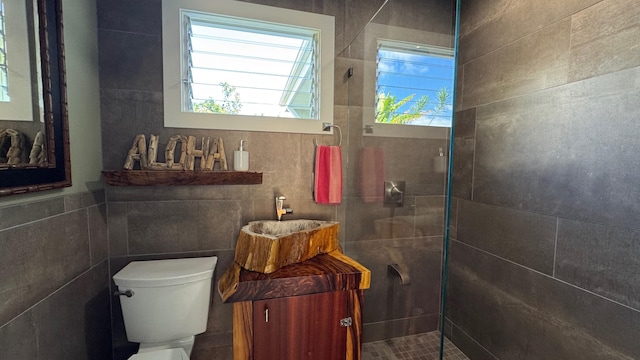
(241, 66)
(414, 84)
(4, 77)
(235, 65)
(18, 61)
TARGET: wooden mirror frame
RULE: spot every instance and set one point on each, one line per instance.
(57, 172)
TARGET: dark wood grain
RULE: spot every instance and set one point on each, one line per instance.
(179, 177)
(305, 301)
(301, 327)
(323, 273)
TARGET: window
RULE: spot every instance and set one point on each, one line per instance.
(4, 76)
(15, 64)
(413, 84)
(237, 66)
(243, 66)
(404, 65)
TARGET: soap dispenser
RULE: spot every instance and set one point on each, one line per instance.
(241, 158)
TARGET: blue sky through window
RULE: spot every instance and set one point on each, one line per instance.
(406, 69)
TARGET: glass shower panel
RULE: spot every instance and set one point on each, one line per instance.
(400, 238)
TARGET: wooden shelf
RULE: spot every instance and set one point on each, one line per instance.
(178, 177)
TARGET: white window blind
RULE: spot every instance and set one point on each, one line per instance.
(414, 84)
(4, 78)
(248, 67)
(17, 80)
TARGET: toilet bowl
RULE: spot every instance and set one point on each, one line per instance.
(167, 354)
(186, 344)
(165, 303)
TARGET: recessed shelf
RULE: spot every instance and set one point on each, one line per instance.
(180, 177)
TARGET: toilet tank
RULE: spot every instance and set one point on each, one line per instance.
(170, 298)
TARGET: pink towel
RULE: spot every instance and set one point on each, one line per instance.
(372, 174)
(327, 187)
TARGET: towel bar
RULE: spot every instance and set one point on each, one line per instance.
(326, 127)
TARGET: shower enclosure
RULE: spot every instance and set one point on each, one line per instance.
(398, 233)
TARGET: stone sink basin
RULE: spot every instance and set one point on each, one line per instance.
(266, 246)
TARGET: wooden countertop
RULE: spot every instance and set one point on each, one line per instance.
(323, 273)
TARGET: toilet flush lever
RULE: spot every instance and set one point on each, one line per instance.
(127, 293)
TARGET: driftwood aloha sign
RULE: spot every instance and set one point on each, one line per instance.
(210, 152)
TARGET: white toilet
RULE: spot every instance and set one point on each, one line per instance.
(165, 303)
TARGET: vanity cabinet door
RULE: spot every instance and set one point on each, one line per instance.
(300, 327)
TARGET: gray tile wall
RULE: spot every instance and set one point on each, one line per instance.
(55, 286)
(157, 222)
(544, 235)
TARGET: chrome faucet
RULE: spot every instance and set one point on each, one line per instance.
(280, 209)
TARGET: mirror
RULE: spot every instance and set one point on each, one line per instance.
(34, 148)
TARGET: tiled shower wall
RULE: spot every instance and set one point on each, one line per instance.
(544, 261)
(160, 222)
(54, 286)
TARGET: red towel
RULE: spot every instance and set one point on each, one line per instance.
(327, 187)
(372, 174)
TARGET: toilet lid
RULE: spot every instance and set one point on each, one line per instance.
(166, 354)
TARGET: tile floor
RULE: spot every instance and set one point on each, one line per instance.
(415, 347)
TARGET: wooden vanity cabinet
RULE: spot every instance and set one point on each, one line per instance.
(307, 311)
(300, 327)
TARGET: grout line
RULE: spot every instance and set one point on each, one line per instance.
(550, 277)
(126, 229)
(415, 346)
(89, 236)
(555, 248)
(89, 269)
(475, 143)
(41, 219)
(457, 328)
(457, 216)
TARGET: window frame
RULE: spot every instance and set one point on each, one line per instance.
(373, 34)
(426, 51)
(173, 33)
(20, 77)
